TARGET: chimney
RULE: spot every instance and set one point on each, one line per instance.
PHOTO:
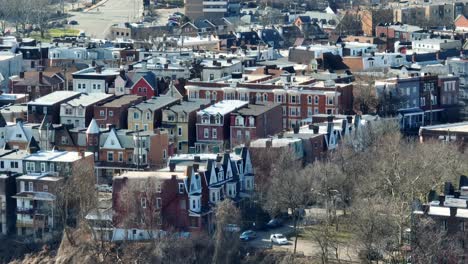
(98, 69)
(195, 167)
(21, 75)
(197, 159)
(349, 119)
(82, 154)
(166, 66)
(269, 143)
(172, 166)
(130, 67)
(40, 76)
(441, 200)
(296, 129)
(93, 63)
(330, 124)
(316, 129)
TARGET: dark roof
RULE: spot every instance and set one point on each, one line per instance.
(255, 109)
(122, 100)
(250, 37)
(32, 79)
(305, 19)
(202, 23)
(271, 37)
(149, 76)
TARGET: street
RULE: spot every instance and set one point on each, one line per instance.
(97, 21)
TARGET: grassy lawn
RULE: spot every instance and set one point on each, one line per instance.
(54, 32)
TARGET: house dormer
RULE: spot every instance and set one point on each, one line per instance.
(195, 203)
(213, 176)
(228, 170)
(239, 121)
(220, 175)
(112, 141)
(195, 184)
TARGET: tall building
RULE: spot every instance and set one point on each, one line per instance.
(210, 9)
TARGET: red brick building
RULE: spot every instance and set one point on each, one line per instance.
(37, 83)
(255, 121)
(115, 111)
(300, 96)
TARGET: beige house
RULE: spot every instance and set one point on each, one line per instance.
(147, 115)
(180, 120)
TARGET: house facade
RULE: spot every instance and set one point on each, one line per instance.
(79, 112)
(115, 110)
(48, 106)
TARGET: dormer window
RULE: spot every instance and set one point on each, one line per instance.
(251, 121)
(195, 203)
(218, 119)
(220, 176)
(239, 121)
(205, 119)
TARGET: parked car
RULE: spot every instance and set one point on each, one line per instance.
(104, 188)
(248, 235)
(275, 222)
(73, 22)
(279, 239)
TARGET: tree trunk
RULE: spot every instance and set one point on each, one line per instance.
(295, 235)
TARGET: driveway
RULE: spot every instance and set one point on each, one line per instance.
(96, 22)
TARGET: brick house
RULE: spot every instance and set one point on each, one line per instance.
(37, 83)
(123, 150)
(213, 125)
(302, 97)
(255, 121)
(184, 196)
(79, 111)
(115, 110)
(147, 115)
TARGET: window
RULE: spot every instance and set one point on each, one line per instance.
(14, 164)
(265, 97)
(164, 154)
(94, 86)
(136, 115)
(120, 156)
(111, 113)
(309, 99)
(52, 167)
(31, 186)
(279, 98)
(110, 156)
(316, 99)
(247, 135)
(316, 110)
(293, 99)
(329, 100)
(158, 187)
(206, 133)
(68, 111)
(179, 131)
(43, 167)
(158, 203)
(207, 95)
(2, 164)
(30, 166)
(239, 135)
(181, 187)
(45, 188)
(143, 202)
(145, 127)
(214, 133)
(148, 116)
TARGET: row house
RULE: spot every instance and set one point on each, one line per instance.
(7, 99)
(255, 121)
(147, 115)
(213, 125)
(49, 106)
(7, 203)
(459, 68)
(180, 120)
(420, 100)
(121, 150)
(36, 205)
(12, 113)
(79, 111)
(299, 96)
(374, 61)
(180, 197)
(94, 80)
(37, 83)
(214, 69)
(394, 32)
(115, 110)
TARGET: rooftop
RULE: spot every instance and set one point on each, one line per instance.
(256, 109)
(454, 127)
(88, 99)
(275, 142)
(224, 107)
(121, 100)
(55, 97)
(156, 102)
(160, 174)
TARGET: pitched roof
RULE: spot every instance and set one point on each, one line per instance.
(461, 21)
(93, 127)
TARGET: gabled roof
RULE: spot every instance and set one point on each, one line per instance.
(304, 19)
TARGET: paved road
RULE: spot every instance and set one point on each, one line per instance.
(96, 22)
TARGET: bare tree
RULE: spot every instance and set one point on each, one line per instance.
(290, 189)
(365, 97)
(226, 247)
